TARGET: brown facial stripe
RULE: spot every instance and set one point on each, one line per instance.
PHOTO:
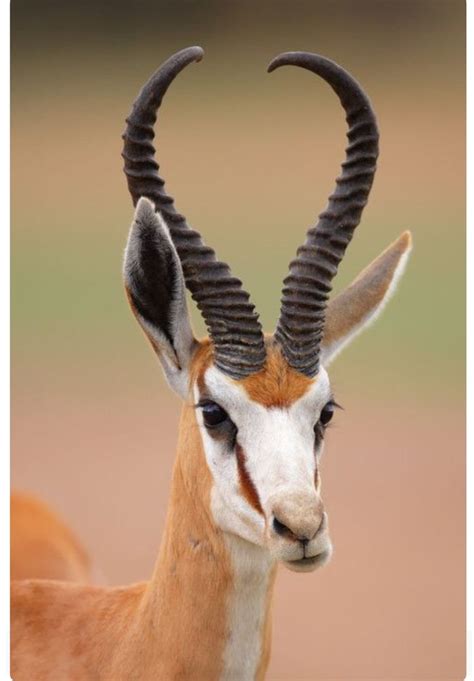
(246, 484)
(277, 384)
(316, 476)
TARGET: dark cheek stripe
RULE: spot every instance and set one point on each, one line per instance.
(248, 488)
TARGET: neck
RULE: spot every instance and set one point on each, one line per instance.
(206, 610)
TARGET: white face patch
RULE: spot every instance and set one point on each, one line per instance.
(279, 449)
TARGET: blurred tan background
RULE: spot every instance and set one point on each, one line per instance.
(251, 159)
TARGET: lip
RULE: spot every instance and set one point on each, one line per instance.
(308, 563)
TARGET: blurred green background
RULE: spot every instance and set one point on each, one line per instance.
(250, 159)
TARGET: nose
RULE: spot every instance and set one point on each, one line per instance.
(285, 531)
(298, 521)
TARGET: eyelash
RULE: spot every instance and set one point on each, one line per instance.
(202, 403)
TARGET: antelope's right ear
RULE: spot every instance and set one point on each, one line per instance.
(155, 288)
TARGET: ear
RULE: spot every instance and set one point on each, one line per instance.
(155, 287)
(360, 303)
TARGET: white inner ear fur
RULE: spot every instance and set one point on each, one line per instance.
(330, 351)
(279, 450)
(176, 358)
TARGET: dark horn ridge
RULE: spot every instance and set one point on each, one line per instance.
(229, 315)
(307, 287)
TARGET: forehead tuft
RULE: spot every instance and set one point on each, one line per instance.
(277, 384)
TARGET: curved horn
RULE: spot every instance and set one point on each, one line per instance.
(230, 318)
(307, 287)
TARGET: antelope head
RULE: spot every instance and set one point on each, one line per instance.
(262, 402)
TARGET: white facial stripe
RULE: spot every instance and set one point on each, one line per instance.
(279, 456)
(279, 448)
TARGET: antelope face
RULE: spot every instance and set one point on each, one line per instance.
(262, 404)
(263, 438)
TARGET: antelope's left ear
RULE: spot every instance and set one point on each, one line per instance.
(156, 291)
(362, 301)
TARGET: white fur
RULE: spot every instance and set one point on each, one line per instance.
(251, 571)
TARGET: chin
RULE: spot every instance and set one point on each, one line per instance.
(311, 563)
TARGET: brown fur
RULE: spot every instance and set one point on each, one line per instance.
(246, 483)
(42, 546)
(68, 631)
(277, 384)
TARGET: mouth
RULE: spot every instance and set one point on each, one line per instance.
(309, 563)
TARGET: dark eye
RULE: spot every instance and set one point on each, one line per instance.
(213, 415)
(327, 413)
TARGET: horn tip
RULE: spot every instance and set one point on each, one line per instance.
(278, 61)
(292, 59)
(197, 52)
(187, 55)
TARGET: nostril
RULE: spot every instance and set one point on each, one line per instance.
(321, 525)
(282, 529)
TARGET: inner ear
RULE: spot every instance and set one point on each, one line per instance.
(152, 280)
(155, 287)
(361, 302)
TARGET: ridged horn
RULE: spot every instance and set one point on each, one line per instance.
(308, 285)
(230, 318)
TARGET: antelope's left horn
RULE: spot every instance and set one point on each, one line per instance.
(306, 289)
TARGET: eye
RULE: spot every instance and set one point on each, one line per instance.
(213, 415)
(327, 413)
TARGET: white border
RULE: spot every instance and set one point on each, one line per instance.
(469, 339)
(4, 338)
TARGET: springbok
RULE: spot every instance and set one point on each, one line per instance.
(246, 487)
